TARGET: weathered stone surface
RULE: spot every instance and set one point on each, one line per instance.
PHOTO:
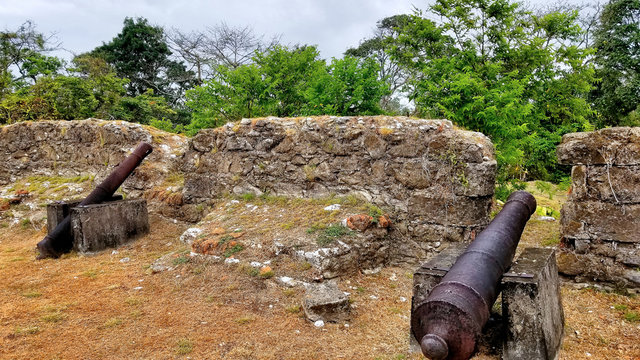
(616, 184)
(532, 308)
(613, 146)
(591, 267)
(449, 210)
(422, 170)
(326, 302)
(599, 226)
(111, 224)
(58, 210)
(367, 251)
(89, 147)
(600, 220)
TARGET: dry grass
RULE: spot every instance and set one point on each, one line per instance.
(205, 310)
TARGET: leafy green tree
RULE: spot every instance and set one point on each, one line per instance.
(493, 67)
(143, 108)
(348, 86)
(101, 78)
(23, 51)
(237, 93)
(140, 54)
(275, 84)
(288, 73)
(377, 48)
(617, 40)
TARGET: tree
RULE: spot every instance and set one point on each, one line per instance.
(221, 45)
(348, 86)
(288, 73)
(23, 51)
(617, 40)
(140, 53)
(378, 48)
(494, 67)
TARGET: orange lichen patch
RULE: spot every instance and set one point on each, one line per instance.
(265, 270)
(359, 222)
(22, 192)
(384, 221)
(205, 246)
(217, 231)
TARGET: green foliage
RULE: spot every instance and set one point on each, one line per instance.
(331, 233)
(505, 188)
(348, 86)
(166, 125)
(140, 53)
(617, 40)
(288, 72)
(545, 187)
(287, 82)
(142, 108)
(232, 250)
(22, 50)
(492, 66)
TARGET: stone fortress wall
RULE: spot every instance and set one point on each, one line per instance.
(600, 224)
(435, 181)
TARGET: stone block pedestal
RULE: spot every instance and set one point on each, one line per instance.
(532, 316)
(100, 226)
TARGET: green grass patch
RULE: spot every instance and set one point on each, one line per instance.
(184, 346)
(233, 250)
(32, 294)
(245, 320)
(27, 330)
(180, 260)
(331, 233)
(632, 316)
(91, 274)
(113, 322)
(552, 241)
(53, 317)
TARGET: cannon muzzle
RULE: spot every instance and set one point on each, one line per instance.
(447, 324)
(59, 240)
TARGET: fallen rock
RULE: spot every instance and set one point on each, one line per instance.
(326, 302)
(164, 263)
(189, 235)
(359, 222)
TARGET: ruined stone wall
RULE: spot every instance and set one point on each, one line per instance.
(91, 147)
(436, 181)
(600, 222)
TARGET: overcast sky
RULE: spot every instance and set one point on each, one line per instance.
(332, 25)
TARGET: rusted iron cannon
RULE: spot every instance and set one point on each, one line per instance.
(448, 323)
(59, 240)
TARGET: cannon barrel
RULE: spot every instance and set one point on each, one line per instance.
(59, 241)
(447, 324)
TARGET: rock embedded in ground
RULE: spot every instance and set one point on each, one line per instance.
(326, 302)
(189, 235)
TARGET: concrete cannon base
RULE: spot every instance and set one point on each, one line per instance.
(100, 226)
(532, 321)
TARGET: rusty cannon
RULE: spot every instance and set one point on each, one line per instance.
(448, 323)
(59, 241)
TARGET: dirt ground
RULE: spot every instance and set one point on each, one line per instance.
(111, 306)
